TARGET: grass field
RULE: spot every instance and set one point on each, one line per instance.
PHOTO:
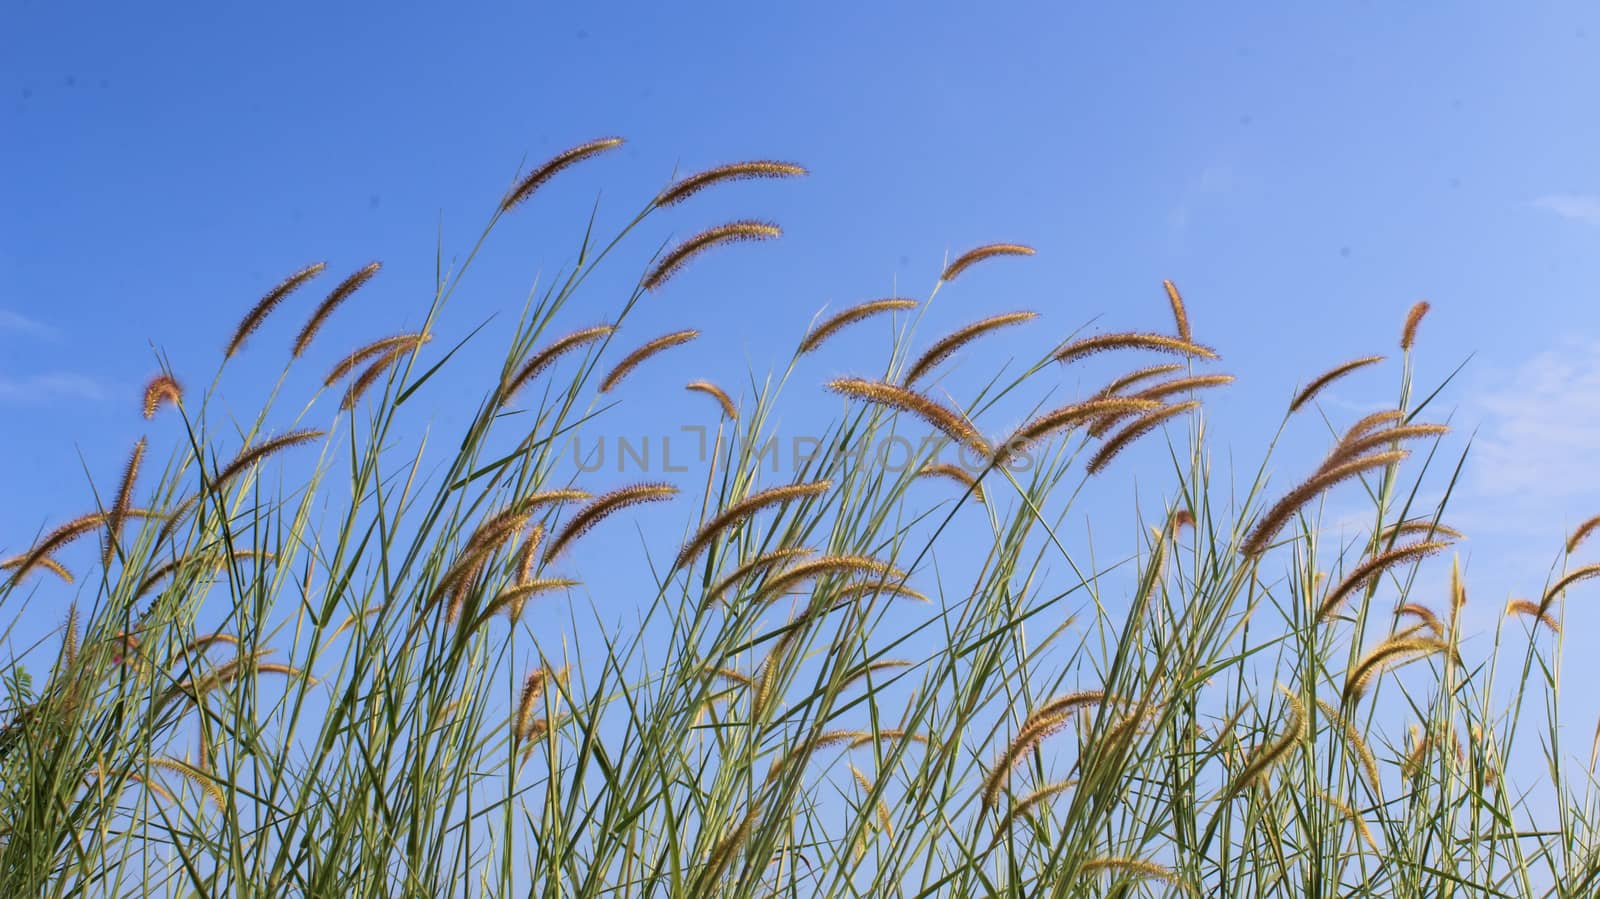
(311, 650)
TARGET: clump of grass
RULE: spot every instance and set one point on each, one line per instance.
(394, 668)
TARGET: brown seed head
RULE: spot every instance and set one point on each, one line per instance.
(602, 507)
(163, 388)
(943, 349)
(634, 359)
(952, 423)
(718, 394)
(1328, 377)
(259, 312)
(844, 318)
(338, 295)
(1160, 343)
(566, 158)
(974, 256)
(1408, 335)
(1180, 318)
(738, 171)
(679, 256)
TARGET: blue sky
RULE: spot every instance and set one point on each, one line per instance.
(1303, 174)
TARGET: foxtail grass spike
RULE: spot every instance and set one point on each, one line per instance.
(636, 358)
(737, 171)
(547, 357)
(988, 251)
(1408, 334)
(375, 370)
(1180, 316)
(1275, 518)
(123, 500)
(844, 318)
(554, 166)
(954, 473)
(749, 569)
(1371, 568)
(1159, 343)
(725, 520)
(944, 419)
(945, 347)
(259, 312)
(1582, 533)
(604, 506)
(1385, 656)
(1531, 609)
(1567, 580)
(718, 394)
(254, 454)
(1139, 427)
(679, 256)
(163, 389)
(369, 351)
(1328, 377)
(334, 298)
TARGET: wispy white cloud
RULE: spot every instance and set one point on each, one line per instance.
(1582, 207)
(1540, 431)
(18, 323)
(51, 386)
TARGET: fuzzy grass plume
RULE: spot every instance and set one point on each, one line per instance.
(636, 358)
(163, 389)
(847, 317)
(943, 348)
(978, 254)
(258, 313)
(334, 299)
(554, 166)
(680, 256)
(942, 418)
(737, 171)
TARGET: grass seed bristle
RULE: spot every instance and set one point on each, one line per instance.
(717, 393)
(679, 256)
(259, 312)
(1408, 334)
(604, 506)
(738, 171)
(945, 347)
(1328, 377)
(163, 388)
(335, 297)
(844, 318)
(636, 358)
(944, 419)
(1180, 316)
(565, 159)
(988, 251)
(1135, 429)
(737, 512)
(1131, 340)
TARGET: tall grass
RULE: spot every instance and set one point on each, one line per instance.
(315, 654)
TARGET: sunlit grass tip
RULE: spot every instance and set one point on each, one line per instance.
(334, 298)
(554, 166)
(1328, 377)
(978, 254)
(266, 304)
(162, 389)
(732, 232)
(717, 393)
(604, 506)
(846, 317)
(946, 346)
(736, 171)
(636, 358)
